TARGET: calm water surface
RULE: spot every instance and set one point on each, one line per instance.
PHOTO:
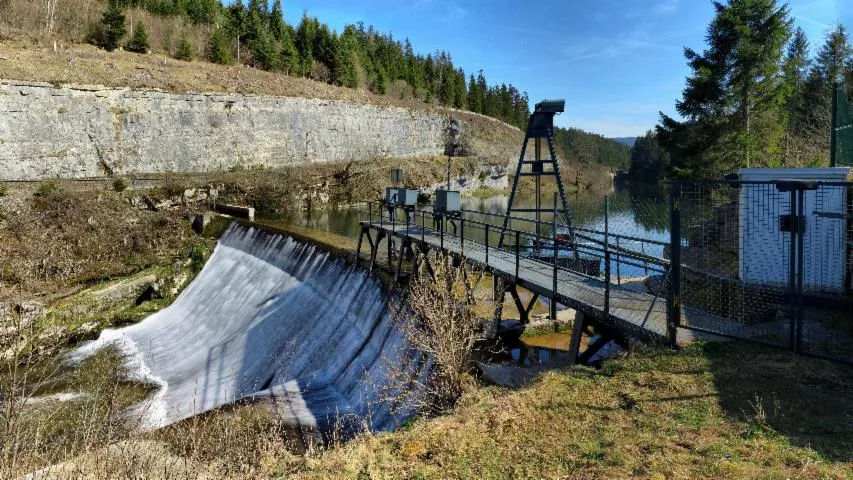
(638, 211)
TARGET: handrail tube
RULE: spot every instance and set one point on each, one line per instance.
(590, 249)
(462, 235)
(618, 236)
(517, 244)
(487, 244)
(533, 221)
(606, 255)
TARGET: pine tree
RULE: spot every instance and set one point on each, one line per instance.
(731, 104)
(797, 62)
(277, 27)
(649, 161)
(347, 72)
(185, 51)
(381, 86)
(113, 25)
(217, 49)
(460, 97)
(306, 35)
(814, 117)
(835, 56)
(475, 101)
(265, 53)
(139, 41)
(289, 56)
(796, 71)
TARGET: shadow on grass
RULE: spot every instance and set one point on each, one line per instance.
(807, 400)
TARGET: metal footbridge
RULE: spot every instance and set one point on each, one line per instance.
(565, 271)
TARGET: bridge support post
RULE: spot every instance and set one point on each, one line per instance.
(390, 248)
(358, 246)
(425, 255)
(375, 250)
(575, 341)
(499, 286)
(403, 244)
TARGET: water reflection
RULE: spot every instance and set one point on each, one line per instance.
(635, 210)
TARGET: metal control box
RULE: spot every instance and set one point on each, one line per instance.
(391, 195)
(407, 197)
(447, 201)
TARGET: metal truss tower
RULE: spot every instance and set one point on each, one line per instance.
(540, 126)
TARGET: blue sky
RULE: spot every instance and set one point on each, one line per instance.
(616, 62)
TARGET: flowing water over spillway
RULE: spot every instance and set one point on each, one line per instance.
(270, 317)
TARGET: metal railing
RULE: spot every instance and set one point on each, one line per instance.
(470, 230)
(764, 261)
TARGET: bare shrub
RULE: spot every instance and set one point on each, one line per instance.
(438, 320)
(49, 412)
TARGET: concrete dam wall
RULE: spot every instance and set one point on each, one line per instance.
(85, 132)
(272, 318)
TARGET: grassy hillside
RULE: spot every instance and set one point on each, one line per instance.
(54, 49)
(712, 411)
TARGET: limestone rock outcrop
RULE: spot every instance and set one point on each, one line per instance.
(86, 131)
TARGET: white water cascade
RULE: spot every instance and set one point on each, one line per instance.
(270, 317)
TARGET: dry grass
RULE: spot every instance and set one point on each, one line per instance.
(711, 411)
(721, 411)
(55, 239)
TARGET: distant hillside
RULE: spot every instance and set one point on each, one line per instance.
(586, 148)
(255, 34)
(627, 141)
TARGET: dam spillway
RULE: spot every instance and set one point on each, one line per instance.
(270, 317)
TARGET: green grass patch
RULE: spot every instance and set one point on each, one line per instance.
(485, 192)
(729, 410)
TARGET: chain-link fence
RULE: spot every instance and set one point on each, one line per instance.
(841, 152)
(768, 262)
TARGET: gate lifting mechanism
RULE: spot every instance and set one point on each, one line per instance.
(541, 125)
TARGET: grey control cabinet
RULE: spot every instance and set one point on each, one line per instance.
(407, 197)
(391, 195)
(447, 201)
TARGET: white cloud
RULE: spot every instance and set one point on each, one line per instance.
(454, 12)
(608, 47)
(665, 7)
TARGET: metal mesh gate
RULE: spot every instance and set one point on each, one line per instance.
(769, 262)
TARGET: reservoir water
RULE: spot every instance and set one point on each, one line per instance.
(640, 211)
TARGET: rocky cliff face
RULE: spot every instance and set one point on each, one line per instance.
(82, 132)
